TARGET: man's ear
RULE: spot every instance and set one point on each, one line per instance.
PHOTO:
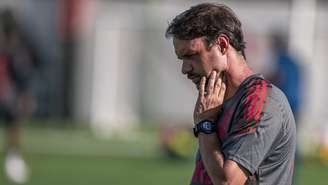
(223, 43)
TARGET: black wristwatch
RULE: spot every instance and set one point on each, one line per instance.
(206, 127)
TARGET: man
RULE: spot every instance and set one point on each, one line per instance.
(287, 75)
(287, 72)
(15, 71)
(244, 124)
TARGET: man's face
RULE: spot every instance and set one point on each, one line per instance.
(198, 59)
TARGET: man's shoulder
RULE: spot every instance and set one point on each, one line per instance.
(253, 99)
(259, 92)
(247, 106)
(257, 102)
(262, 103)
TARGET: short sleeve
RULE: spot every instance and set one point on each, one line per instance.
(255, 126)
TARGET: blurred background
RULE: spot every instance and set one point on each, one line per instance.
(104, 101)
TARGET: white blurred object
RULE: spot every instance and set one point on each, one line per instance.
(15, 168)
(115, 86)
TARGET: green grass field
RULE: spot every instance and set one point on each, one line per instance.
(70, 170)
(68, 156)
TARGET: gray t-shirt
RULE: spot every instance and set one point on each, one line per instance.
(256, 130)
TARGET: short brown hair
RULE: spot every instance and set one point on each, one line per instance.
(209, 20)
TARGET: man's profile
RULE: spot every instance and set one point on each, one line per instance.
(244, 124)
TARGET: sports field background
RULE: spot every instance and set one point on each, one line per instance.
(113, 65)
(74, 156)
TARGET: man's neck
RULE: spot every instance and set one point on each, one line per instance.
(235, 76)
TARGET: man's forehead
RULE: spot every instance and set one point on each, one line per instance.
(182, 46)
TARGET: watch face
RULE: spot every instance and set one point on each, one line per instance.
(207, 126)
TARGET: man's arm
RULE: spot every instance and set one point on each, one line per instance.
(221, 171)
(207, 107)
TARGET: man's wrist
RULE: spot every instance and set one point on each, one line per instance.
(212, 117)
(205, 126)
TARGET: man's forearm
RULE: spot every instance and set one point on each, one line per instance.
(212, 157)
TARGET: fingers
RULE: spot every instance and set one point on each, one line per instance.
(217, 85)
(214, 85)
(222, 89)
(211, 82)
(202, 86)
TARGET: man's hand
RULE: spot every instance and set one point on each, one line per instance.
(210, 100)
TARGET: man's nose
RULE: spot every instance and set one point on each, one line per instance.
(186, 67)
